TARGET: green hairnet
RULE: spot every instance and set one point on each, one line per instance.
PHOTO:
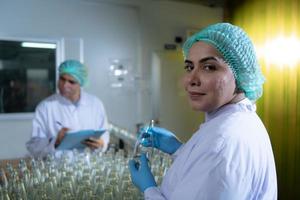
(238, 51)
(75, 69)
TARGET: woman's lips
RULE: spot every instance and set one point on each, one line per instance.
(195, 95)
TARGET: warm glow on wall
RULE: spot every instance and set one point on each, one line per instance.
(280, 51)
(274, 27)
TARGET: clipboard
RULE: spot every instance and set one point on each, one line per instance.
(72, 140)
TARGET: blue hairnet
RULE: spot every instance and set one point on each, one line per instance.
(238, 51)
(75, 69)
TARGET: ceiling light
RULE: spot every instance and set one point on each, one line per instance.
(38, 45)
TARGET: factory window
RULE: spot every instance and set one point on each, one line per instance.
(27, 74)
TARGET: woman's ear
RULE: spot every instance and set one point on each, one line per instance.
(238, 90)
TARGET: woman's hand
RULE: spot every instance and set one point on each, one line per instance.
(163, 139)
(141, 174)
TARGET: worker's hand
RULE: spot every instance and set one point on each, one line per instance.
(94, 143)
(141, 175)
(60, 136)
(163, 139)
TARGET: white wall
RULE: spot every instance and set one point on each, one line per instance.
(161, 21)
(109, 29)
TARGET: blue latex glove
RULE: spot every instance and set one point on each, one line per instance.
(163, 139)
(141, 175)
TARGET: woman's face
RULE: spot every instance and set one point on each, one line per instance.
(208, 81)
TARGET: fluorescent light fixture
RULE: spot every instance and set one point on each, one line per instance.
(118, 72)
(116, 85)
(38, 45)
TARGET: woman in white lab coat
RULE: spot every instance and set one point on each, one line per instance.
(230, 156)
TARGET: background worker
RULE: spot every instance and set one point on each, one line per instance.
(72, 109)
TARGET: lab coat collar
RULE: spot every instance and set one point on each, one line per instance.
(243, 105)
(82, 100)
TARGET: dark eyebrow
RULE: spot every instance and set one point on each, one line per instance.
(188, 61)
(205, 59)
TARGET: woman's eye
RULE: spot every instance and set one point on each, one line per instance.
(209, 67)
(188, 68)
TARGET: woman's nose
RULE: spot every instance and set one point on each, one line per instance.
(194, 79)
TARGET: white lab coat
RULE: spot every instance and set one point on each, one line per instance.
(229, 157)
(56, 112)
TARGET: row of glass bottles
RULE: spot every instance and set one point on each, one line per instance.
(76, 175)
